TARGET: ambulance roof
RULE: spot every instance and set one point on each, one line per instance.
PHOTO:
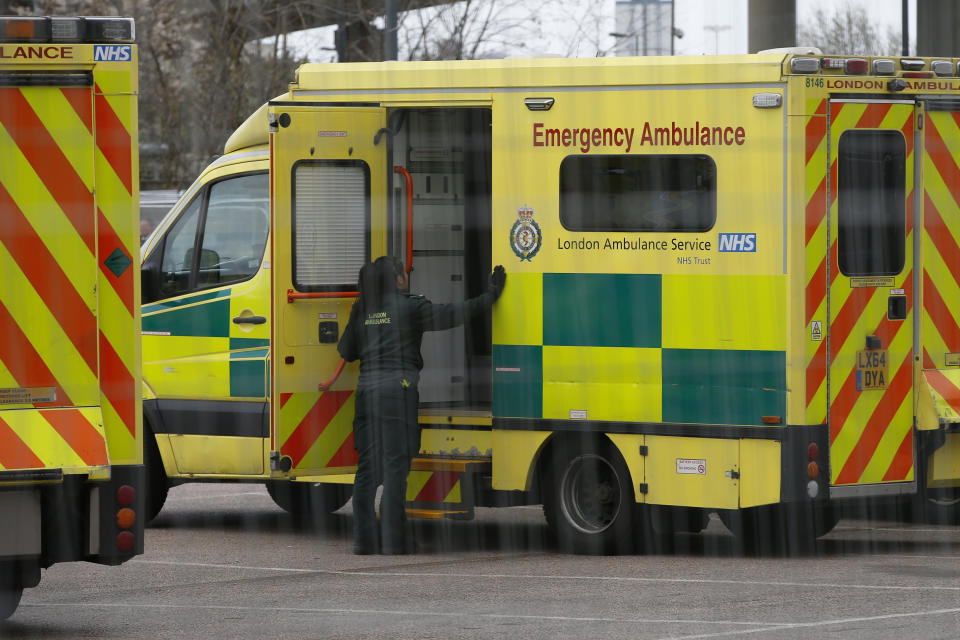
(364, 77)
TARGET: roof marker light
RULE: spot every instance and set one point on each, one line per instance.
(23, 29)
(832, 63)
(65, 29)
(884, 67)
(110, 29)
(805, 65)
(857, 66)
(912, 64)
(917, 74)
(94, 29)
(942, 67)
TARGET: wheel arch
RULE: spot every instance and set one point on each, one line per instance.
(627, 446)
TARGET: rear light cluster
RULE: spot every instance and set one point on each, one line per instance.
(126, 517)
(813, 469)
(18, 29)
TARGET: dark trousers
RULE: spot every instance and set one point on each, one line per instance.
(386, 435)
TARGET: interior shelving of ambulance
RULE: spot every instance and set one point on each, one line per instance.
(447, 249)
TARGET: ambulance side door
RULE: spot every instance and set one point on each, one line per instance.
(206, 335)
(329, 199)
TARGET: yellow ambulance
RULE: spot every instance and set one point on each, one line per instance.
(72, 482)
(732, 288)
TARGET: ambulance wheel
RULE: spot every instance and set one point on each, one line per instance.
(941, 506)
(589, 502)
(308, 499)
(10, 591)
(778, 529)
(157, 482)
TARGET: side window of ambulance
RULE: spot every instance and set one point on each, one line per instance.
(232, 218)
(235, 230)
(871, 202)
(638, 193)
(177, 263)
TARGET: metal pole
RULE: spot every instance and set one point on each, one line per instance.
(673, 29)
(905, 28)
(390, 44)
(646, 31)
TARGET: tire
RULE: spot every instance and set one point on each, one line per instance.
(670, 520)
(941, 506)
(589, 502)
(825, 519)
(158, 485)
(10, 590)
(308, 499)
(779, 529)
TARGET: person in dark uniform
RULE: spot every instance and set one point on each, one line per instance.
(384, 332)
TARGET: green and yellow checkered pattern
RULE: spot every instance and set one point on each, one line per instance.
(708, 349)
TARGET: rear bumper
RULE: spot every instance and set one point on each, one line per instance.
(71, 518)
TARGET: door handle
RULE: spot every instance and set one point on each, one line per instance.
(249, 320)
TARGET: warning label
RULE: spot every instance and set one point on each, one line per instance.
(693, 467)
(28, 395)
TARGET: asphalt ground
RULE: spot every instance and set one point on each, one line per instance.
(223, 562)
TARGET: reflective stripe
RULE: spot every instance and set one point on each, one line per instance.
(870, 430)
(316, 429)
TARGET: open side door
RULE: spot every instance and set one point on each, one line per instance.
(329, 216)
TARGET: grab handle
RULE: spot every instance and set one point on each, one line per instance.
(409, 179)
(325, 386)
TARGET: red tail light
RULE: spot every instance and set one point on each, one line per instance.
(125, 541)
(126, 495)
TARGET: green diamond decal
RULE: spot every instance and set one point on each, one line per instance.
(118, 262)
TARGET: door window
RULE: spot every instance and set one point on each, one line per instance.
(871, 202)
(229, 221)
(177, 264)
(331, 212)
(235, 231)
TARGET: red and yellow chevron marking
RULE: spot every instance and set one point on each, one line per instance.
(316, 429)
(64, 322)
(52, 438)
(815, 225)
(940, 333)
(944, 388)
(434, 486)
(118, 235)
(870, 432)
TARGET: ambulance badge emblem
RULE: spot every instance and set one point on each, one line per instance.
(525, 236)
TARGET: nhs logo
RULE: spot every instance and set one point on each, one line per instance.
(741, 242)
(111, 53)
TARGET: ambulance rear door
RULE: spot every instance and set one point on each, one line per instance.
(49, 356)
(872, 294)
(329, 209)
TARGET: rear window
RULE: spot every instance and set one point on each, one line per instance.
(638, 193)
(871, 202)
